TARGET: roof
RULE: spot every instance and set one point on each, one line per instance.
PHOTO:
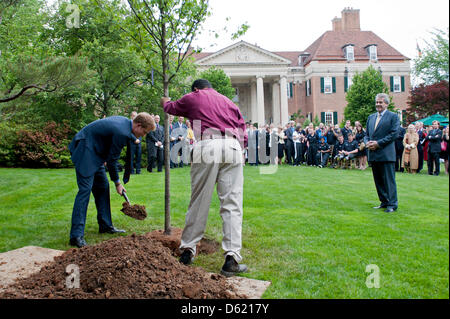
(329, 46)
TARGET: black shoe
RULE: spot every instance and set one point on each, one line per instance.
(186, 257)
(380, 206)
(77, 241)
(112, 230)
(231, 267)
(390, 209)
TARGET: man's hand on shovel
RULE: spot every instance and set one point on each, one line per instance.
(120, 189)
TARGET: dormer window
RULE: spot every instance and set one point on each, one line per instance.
(349, 52)
(302, 58)
(372, 52)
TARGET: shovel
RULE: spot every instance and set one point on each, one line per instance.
(135, 211)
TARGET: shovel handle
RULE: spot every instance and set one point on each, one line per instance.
(124, 194)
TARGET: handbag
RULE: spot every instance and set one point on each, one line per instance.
(443, 146)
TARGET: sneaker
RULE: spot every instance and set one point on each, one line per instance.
(186, 257)
(231, 267)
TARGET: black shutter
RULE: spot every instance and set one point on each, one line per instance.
(322, 85)
(335, 118)
(403, 83)
(333, 83)
(392, 83)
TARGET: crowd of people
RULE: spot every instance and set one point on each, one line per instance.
(320, 146)
(328, 145)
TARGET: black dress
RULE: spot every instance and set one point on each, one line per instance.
(312, 149)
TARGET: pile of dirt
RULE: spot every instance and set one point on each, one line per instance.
(205, 246)
(135, 211)
(123, 267)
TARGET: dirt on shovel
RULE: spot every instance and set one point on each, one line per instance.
(135, 211)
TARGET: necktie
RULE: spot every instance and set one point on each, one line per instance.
(126, 174)
(377, 121)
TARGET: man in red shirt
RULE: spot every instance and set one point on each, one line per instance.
(217, 157)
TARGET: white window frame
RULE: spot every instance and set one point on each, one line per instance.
(327, 85)
(349, 81)
(373, 55)
(350, 53)
(288, 90)
(329, 118)
(397, 84)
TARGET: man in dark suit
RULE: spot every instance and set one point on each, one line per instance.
(419, 128)
(155, 148)
(399, 149)
(98, 143)
(434, 139)
(289, 144)
(136, 152)
(382, 130)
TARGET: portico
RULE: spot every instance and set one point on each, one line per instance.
(259, 77)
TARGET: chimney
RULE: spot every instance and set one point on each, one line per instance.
(350, 20)
(337, 24)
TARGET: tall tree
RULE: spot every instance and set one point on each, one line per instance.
(426, 100)
(172, 26)
(361, 95)
(432, 64)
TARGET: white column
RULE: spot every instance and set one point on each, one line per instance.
(276, 103)
(284, 100)
(260, 100)
(253, 105)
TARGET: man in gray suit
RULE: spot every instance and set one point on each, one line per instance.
(382, 130)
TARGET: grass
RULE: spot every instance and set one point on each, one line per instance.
(309, 231)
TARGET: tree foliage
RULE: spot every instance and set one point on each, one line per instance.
(361, 95)
(426, 100)
(219, 81)
(432, 65)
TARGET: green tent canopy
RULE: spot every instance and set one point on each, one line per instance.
(436, 117)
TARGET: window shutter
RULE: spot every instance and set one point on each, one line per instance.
(306, 88)
(403, 83)
(309, 87)
(345, 83)
(322, 117)
(334, 84)
(291, 89)
(335, 119)
(392, 83)
(322, 85)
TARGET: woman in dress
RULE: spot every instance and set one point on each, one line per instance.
(410, 158)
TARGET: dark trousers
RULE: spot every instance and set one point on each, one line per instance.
(157, 160)
(420, 151)
(433, 159)
(289, 152)
(99, 186)
(136, 156)
(322, 158)
(299, 155)
(398, 162)
(384, 178)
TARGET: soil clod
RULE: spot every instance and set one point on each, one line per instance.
(135, 211)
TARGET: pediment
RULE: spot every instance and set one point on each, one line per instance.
(243, 53)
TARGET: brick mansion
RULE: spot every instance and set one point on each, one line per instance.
(271, 86)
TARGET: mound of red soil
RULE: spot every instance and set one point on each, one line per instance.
(123, 267)
(172, 241)
(135, 211)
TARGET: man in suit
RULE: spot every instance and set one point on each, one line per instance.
(382, 130)
(98, 143)
(136, 152)
(420, 132)
(399, 149)
(434, 139)
(155, 147)
(180, 132)
(289, 144)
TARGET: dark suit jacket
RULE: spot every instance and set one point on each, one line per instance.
(434, 137)
(101, 141)
(385, 135)
(154, 136)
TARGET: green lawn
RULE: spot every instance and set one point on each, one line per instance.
(309, 231)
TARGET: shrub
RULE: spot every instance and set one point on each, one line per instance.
(47, 147)
(8, 142)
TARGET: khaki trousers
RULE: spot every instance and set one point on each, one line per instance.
(216, 161)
